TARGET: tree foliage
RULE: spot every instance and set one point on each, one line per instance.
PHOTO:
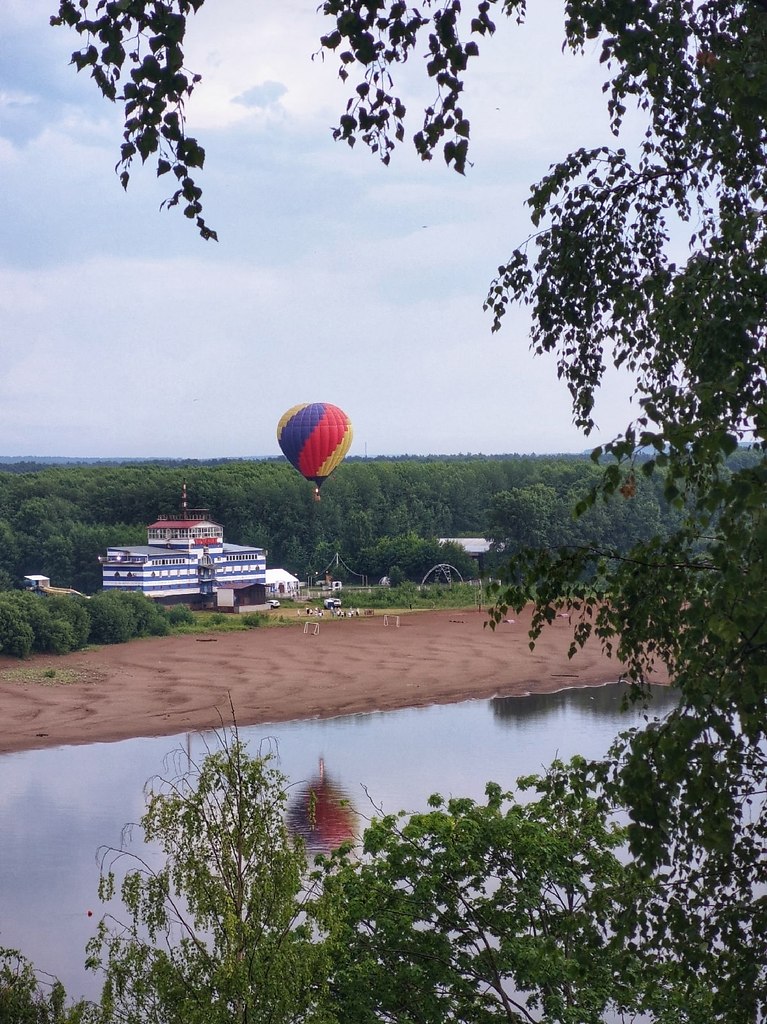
(651, 256)
(216, 929)
(145, 39)
(379, 513)
(25, 999)
(521, 908)
(512, 910)
(32, 624)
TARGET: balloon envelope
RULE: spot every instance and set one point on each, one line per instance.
(314, 438)
(322, 814)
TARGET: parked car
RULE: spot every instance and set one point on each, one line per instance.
(273, 603)
(332, 602)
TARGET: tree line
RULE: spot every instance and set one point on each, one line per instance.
(383, 517)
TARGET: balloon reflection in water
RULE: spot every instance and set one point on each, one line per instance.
(321, 812)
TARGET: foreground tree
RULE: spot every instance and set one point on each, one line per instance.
(149, 37)
(215, 929)
(508, 910)
(521, 909)
(24, 999)
(605, 284)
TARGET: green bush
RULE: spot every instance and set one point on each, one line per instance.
(151, 618)
(253, 619)
(118, 617)
(73, 612)
(179, 615)
(17, 637)
(62, 637)
(113, 620)
(212, 622)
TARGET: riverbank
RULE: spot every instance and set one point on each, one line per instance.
(306, 669)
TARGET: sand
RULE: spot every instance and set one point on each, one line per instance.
(168, 685)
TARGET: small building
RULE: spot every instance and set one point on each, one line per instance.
(475, 547)
(240, 597)
(37, 583)
(281, 583)
(185, 560)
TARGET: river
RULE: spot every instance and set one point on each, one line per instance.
(58, 806)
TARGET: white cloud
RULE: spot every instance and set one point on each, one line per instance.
(334, 279)
(263, 95)
(188, 359)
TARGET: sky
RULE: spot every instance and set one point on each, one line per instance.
(124, 334)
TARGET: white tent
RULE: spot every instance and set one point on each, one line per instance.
(280, 581)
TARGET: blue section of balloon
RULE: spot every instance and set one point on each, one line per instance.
(298, 429)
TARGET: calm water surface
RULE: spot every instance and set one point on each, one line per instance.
(57, 807)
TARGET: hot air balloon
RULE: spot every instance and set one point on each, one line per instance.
(315, 437)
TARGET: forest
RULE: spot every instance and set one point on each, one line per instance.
(381, 516)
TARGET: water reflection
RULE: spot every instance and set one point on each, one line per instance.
(321, 812)
(599, 701)
(57, 807)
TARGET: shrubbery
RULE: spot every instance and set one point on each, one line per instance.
(252, 619)
(411, 595)
(219, 622)
(56, 625)
(117, 617)
(179, 615)
(509, 909)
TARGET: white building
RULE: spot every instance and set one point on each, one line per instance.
(475, 547)
(279, 582)
(186, 559)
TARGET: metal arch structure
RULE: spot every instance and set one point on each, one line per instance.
(445, 569)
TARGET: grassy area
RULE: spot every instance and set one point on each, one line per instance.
(410, 596)
(381, 600)
(220, 622)
(46, 675)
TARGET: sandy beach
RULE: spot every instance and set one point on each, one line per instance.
(166, 685)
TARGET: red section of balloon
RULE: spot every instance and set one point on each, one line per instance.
(314, 438)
